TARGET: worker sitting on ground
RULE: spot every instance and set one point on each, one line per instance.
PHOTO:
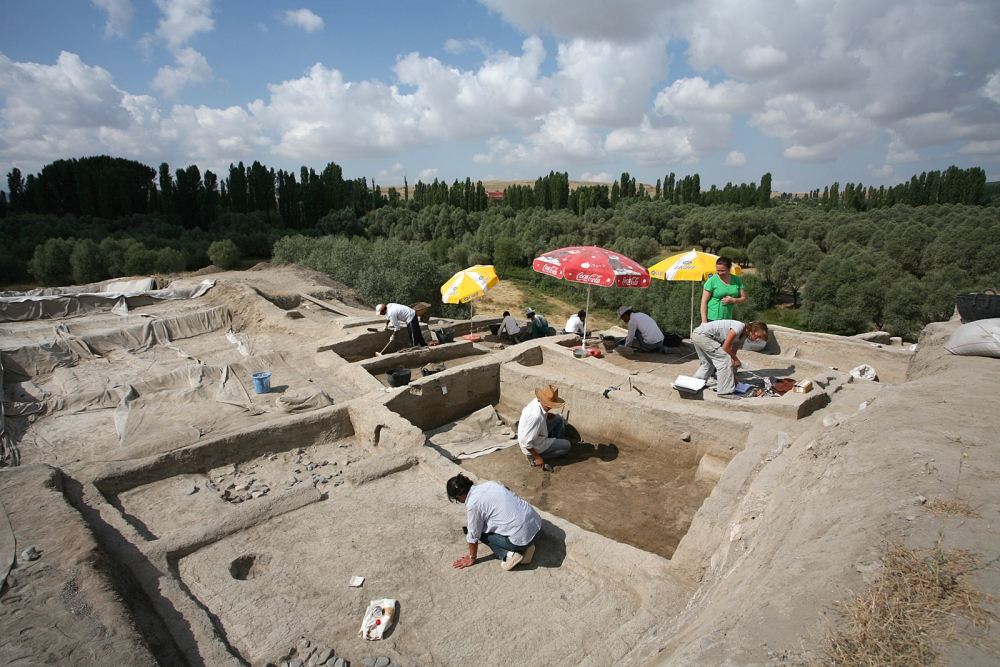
(539, 325)
(577, 324)
(498, 519)
(642, 331)
(716, 343)
(396, 315)
(540, 432)
(510, 327)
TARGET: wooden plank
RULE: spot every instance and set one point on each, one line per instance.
(324, 304)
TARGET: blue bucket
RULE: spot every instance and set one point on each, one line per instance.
(262, 382)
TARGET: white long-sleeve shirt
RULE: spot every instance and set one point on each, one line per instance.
(399, 315)
(493, 508)
(509, 324)
(533, 428)
(574, 325)
(642, 322)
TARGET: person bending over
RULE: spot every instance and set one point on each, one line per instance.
(510, 326)
(498, 519)
(642, 330)
(539, 325)
(716, 344)
(398, 315)
(540, 432)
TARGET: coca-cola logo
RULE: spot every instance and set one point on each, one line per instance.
(550, 269)
(592, 278)
(630, 281)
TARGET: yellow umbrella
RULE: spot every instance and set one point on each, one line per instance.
(693, 265)
(469, 284)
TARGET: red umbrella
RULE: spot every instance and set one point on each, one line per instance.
(591, 265)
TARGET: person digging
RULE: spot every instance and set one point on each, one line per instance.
(540, 432)
(398, 315)
(498, 519)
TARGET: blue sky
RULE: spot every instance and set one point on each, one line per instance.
(812, 91)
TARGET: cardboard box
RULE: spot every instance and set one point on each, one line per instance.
(803, 387)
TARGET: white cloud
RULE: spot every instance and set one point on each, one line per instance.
(461, 46)
(992, 87)
(303, 18)
(182, 20)
(608, 84)
(886, 171)
(427, 175)
(658, 142)
(397, 171)
(764, 59)
(192, 67)
(735, 159)
(984, 150)
(603, 177)
(214, 136)
(697, 94)
(899, 152)
(809, 132)
(120, 13)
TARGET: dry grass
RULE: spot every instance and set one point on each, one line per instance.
(939, 507)
(919, 599)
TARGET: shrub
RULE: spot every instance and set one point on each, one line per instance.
(87, 262)
(50, 265)
(168, 260)
(224, 254)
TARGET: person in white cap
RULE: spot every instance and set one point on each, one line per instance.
(539, 325)
(642, 330)
(398, 315)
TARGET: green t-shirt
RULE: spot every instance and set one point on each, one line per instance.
(718, 289)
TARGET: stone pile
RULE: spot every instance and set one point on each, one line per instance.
(308, 653)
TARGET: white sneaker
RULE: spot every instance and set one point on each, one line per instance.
(513, 558)
(711, 382)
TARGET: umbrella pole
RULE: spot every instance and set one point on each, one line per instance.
(586, 319)
(691, 332)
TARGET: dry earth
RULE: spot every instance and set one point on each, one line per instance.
(159, 545)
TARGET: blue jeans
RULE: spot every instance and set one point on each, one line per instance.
(557, 430)
(500, 544)
(644, 346)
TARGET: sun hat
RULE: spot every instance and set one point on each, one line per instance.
(623, 311)
(549, 397)
(529, 312)
(378, 308)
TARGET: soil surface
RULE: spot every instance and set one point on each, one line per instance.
(635, 497)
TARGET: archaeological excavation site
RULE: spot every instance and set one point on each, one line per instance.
(200, 472)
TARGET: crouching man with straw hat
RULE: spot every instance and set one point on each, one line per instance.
(540, 432)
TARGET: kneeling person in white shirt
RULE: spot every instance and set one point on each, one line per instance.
(540, 433)
(576, 323)
(642, 329)
(498, 519)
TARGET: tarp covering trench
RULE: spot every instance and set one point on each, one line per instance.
(115, 296)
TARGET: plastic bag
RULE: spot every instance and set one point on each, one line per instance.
(378, 618)
(864, 372)
(980, 338)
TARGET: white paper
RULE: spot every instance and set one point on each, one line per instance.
(687, 383)
(356, 581)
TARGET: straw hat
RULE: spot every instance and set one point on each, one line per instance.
(529, 312)
(549, 397)
(623, 311)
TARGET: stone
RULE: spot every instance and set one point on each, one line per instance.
(685, 436)
(295, 663)
(193, 490)
(368, 662)
(339, 662)
(324, 654)
(212, 487)
(919, 500)
(382, 662)
(881, 337)
(31, 553)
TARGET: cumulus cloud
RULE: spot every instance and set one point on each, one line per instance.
(182, 20)
(427, 175)
(192, 67)
(812, 133)
(302, 18)
(899, 152)
(120, 13)
(397, 171)
(735, 159)
(885, 171)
